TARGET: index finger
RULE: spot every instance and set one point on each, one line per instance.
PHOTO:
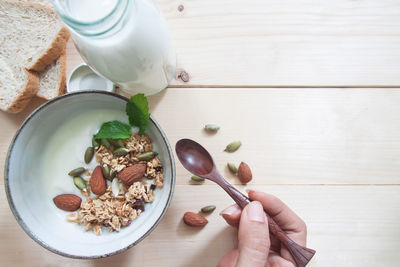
(292, 224)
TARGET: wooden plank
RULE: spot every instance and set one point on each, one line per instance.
(290, 43)
(347, 225)
(291, 136)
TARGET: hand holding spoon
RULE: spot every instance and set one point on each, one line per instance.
(198, 161)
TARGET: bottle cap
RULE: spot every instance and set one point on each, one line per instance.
(83, 78)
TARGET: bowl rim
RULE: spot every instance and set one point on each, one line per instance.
(22, 224)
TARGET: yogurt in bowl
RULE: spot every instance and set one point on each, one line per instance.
(50, 143)
(66, 147)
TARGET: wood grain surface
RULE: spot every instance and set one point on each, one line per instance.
(311, 89)
(290, 42)
(347, 225)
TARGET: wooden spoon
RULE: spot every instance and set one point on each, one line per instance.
(198, 161)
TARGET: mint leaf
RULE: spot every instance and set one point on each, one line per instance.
(137, 110)
(114, 130)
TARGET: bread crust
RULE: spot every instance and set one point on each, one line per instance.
(63, 70)
(30, 90)
(53, 52)
(56, 47)
(62, 80)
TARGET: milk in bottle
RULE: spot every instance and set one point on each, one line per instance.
(126, 41)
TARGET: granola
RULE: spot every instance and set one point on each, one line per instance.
(112, 211)
(116, 211)
(136, 144)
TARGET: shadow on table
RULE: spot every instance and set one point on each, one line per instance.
(216, 248)
(18, 118)
(184, 230)
(120, 260)
(154, 100)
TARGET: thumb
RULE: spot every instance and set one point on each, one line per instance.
(253, 237)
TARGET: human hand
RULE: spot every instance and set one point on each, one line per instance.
(255, 246)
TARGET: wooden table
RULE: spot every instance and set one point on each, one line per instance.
(311, 88)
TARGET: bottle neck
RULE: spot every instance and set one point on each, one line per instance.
(92, 17)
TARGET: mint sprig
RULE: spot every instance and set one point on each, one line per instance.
(137, 110)
(114, 130)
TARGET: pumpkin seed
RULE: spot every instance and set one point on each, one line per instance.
(232, 168)
(106, 171)
(122, 151)
(211, 127)
(208, 209)
(89, 153)
(79, 183)
(116, 142)
(77, 171)
(197, 178)
(112, 142)
(105, 143)
(120, 143)
(112, 173)
(95, 143)
(147, 156)
(232, 147)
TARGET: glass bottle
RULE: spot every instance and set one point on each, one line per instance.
(125, 41)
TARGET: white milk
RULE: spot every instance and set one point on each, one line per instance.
(98, 9)
(136, 54)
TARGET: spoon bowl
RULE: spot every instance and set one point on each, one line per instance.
(194, 157)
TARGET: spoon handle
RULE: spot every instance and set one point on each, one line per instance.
(300, 254)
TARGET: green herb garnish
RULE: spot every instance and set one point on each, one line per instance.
(114, 130)
(137, 110)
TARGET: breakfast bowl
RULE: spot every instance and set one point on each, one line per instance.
(49, 144)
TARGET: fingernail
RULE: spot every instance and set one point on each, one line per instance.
(230, 210)
(255, 212)
(249, 191)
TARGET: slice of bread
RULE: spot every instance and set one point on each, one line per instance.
(52, 79)
(17, 87)
(47, 3)
(31, 35)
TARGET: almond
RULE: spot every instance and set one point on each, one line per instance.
(98, 184)
(67, 202)
(244, 173)
(194, 219)
(131, 174)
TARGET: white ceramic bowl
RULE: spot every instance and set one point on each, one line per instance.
(33, 207)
